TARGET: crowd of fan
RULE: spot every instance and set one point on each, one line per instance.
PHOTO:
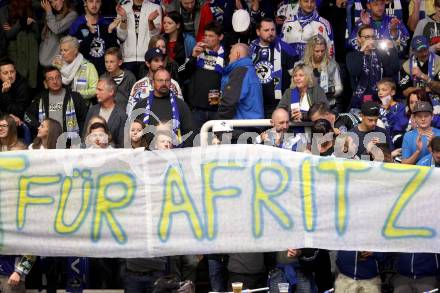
(365, 73)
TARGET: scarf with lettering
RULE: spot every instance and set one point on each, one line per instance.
(211, 60)
(69, 115)
(261, 54)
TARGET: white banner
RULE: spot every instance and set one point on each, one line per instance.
(230, 198)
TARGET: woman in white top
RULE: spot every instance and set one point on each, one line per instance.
(47, 136)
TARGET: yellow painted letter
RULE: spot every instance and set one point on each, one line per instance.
(390, 228)
(308, 195)
(174, 183)
(341, 169)
(104, 205)
(211, 193)
(66, 188)
(264, 198)
(25, 198)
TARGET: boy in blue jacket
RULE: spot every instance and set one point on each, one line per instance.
(392, 113)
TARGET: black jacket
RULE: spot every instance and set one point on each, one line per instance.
(81, 108)
(161, 108)
(17, 99)
(389, 60)
(201, 81)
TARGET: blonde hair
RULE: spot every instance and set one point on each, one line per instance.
(310, 47)
(308, 72)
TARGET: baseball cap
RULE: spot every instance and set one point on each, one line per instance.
(153, 53)
(370, 109)
(419, 42)
(241, 20)
(422, 106)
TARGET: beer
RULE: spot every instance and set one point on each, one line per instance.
(214, 97)
(283, 287)
(237, 287)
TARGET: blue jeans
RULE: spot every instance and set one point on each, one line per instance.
(140, 283)
(217, 275)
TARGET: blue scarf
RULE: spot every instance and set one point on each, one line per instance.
(261, 57)
(305, 19)
(175, 116)
(212, 60)
(431, 68)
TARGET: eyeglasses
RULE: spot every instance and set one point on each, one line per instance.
(53, 78)
(4, 125)
(163, 80)
(369, 37)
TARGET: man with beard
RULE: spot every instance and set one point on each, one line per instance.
(95, 37)
(154, 59)
(272, 59)
(14, 93)
(162, 105)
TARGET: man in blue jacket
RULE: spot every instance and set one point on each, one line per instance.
(242, 95)
(417, 272)
(359, 271)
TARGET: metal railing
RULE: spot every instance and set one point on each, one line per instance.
(207, 127)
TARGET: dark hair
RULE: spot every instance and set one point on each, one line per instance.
(115, 51)
(320, 107)
(436, 3)
(11, 140)
(435, 144)
(178, 19)
(215, 27)
(6, 61)
(421, 94)
(48, 69)
(19, 9)
(144, 139)
(322, 126)
(102, 125)
(55, 130)
(98, 125)
(265, 19)
(362, 28)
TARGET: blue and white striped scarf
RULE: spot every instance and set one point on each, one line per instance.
(70, 116)
(175, 116)
(211, 60)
